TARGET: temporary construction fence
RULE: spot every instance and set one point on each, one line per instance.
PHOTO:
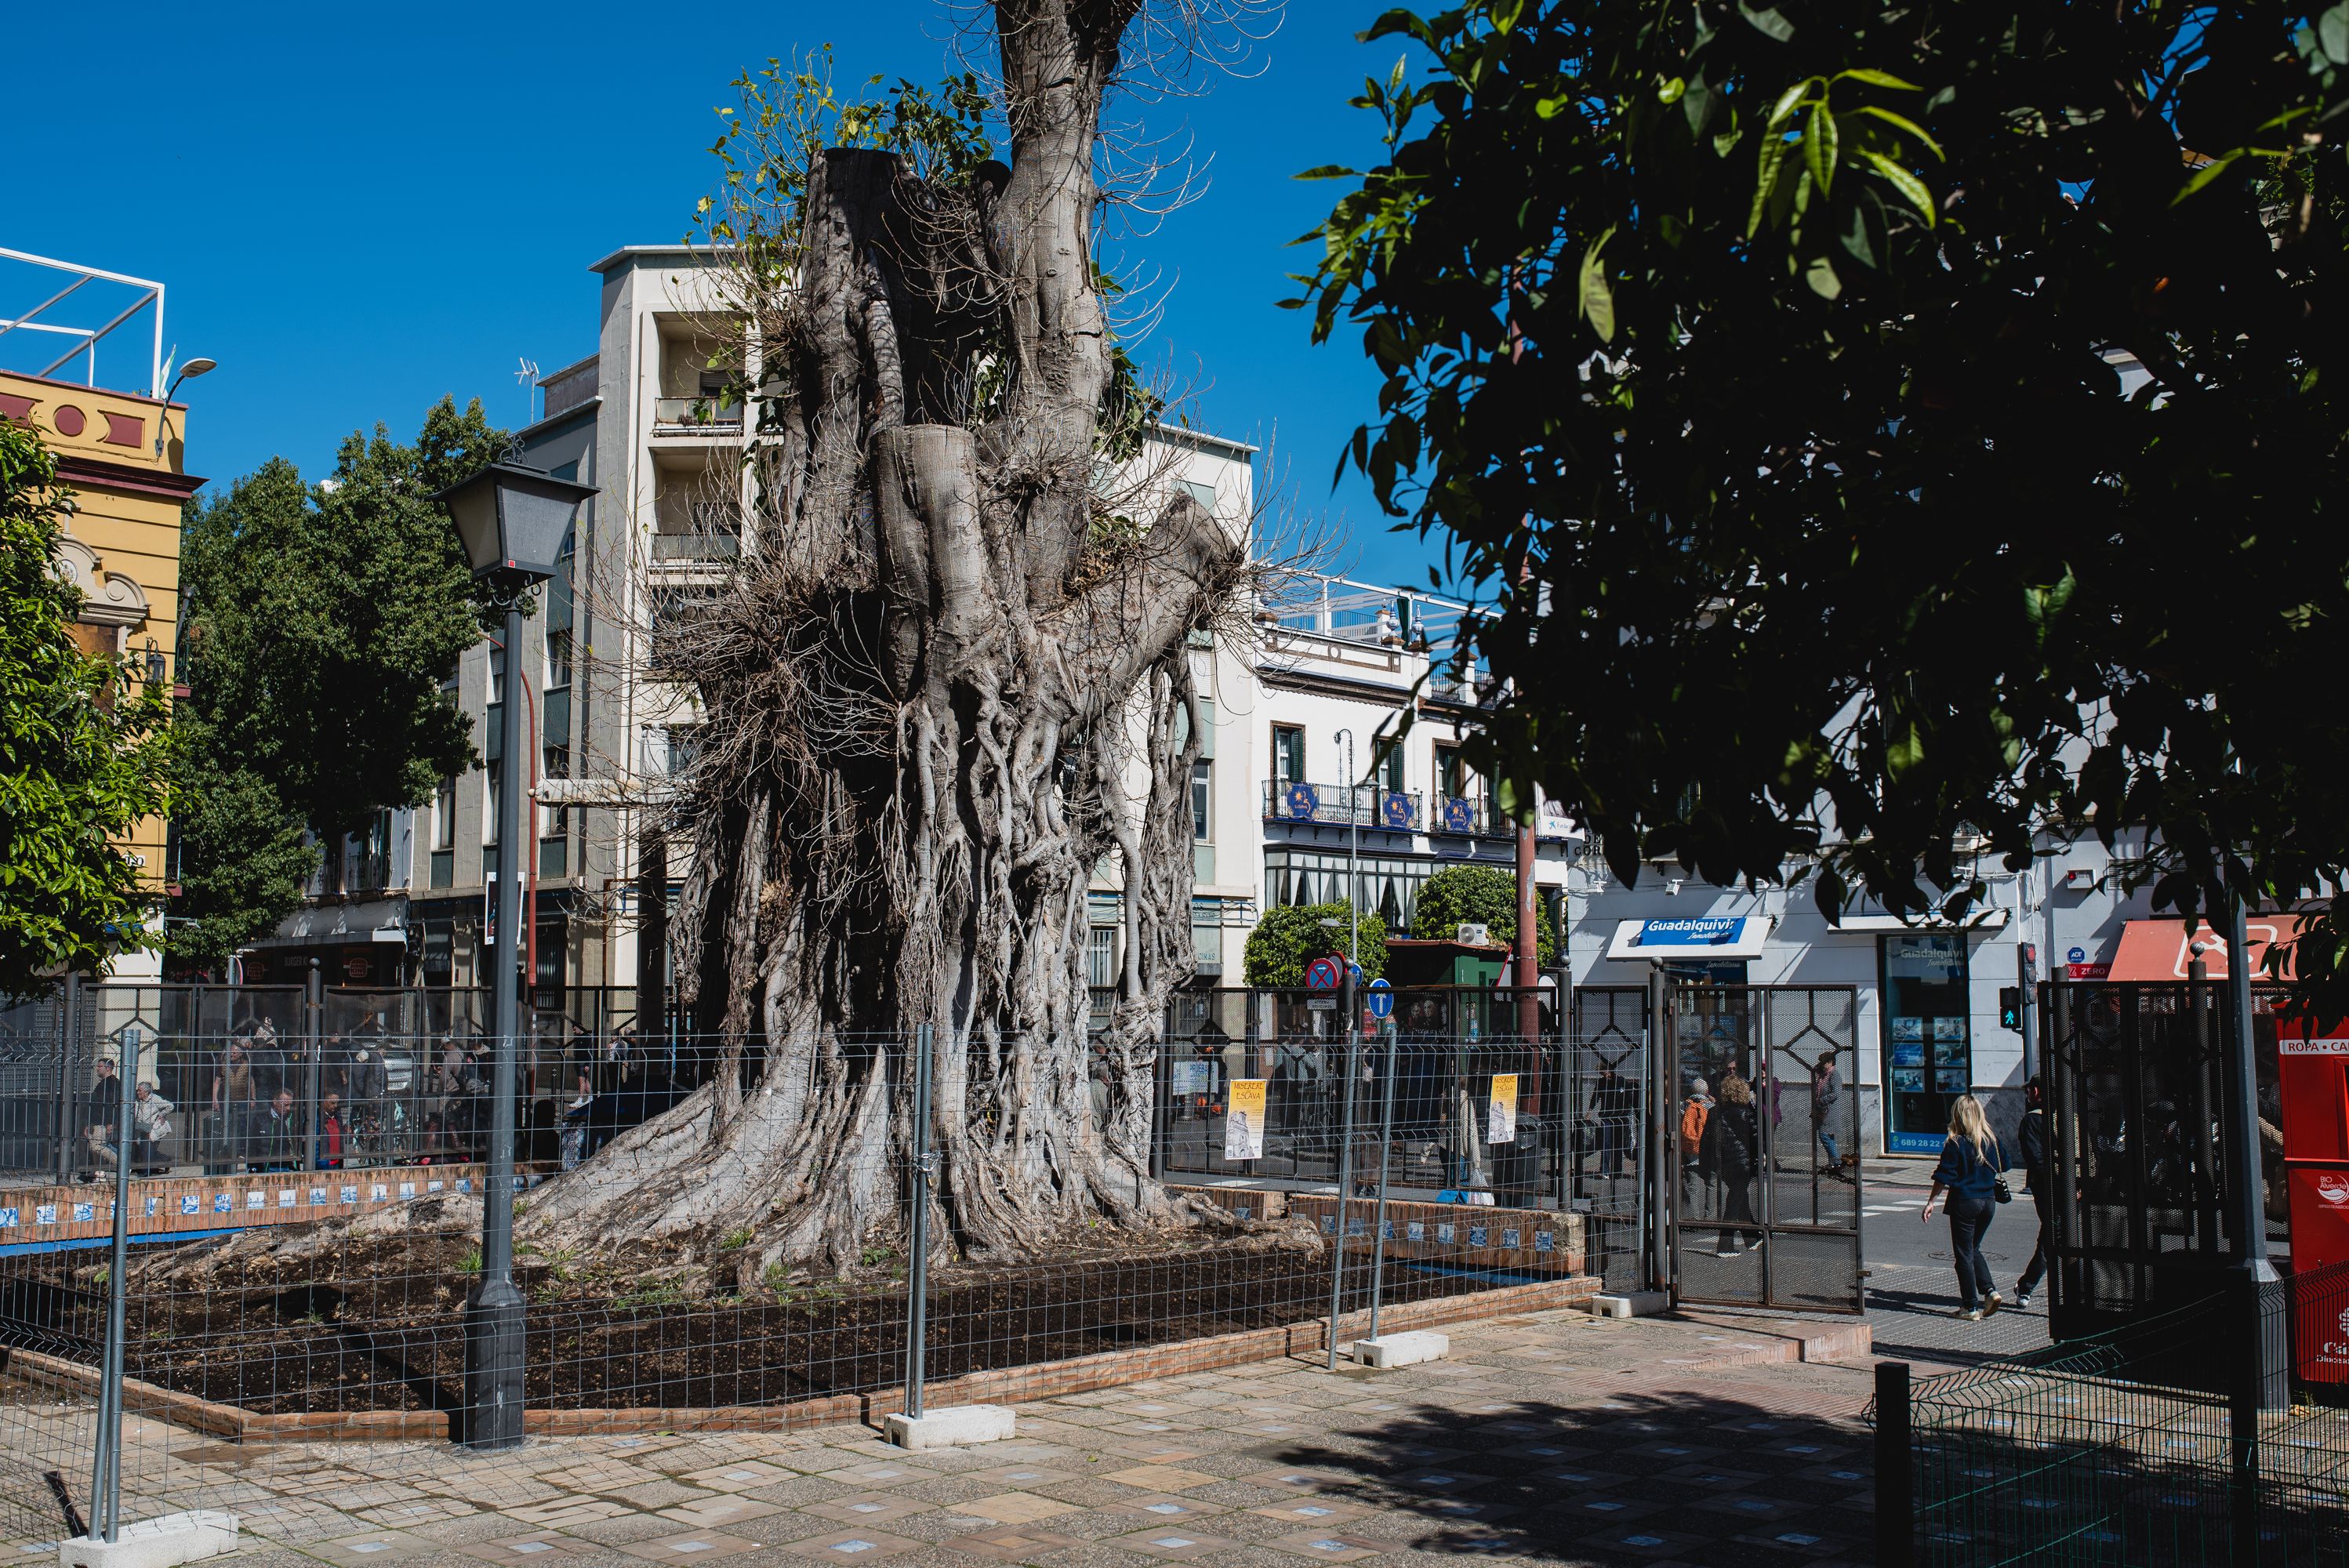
(267, 1299)
(372, 1078)
(2144, 1446)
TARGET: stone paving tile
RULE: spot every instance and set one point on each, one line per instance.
(1511, 1450)
(720, 1512)
(524, 1550)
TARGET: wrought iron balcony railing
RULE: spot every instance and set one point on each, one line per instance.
(1391, 811)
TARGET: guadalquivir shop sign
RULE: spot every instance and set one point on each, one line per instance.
(1701, 931)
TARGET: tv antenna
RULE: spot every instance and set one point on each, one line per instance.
(526, 377)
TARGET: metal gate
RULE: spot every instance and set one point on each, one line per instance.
(1765, 1199)
(1606, 1171)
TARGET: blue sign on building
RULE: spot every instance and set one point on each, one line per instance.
(1701, 931)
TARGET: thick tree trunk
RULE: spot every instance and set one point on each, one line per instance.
(939, 693)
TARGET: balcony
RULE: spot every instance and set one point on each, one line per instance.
(1474, 816)
(711, 414)
(1340, 805)
(1466, 817)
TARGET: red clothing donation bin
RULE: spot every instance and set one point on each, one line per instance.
(2313, 1062)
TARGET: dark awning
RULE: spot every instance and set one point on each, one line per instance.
(336, 924)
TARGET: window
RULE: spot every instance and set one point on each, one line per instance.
(1451, 772)
(444, 815)
(554, 762)
(674, 748)
(497, 674)
(1101, 957)
(1288, 754)
(558, 657)
(1203, 800)
(489, 776)
(1396, 776)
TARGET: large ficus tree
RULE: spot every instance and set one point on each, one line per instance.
(950, 680)
(1894, 434)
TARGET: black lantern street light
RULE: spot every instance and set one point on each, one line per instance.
(513, 520)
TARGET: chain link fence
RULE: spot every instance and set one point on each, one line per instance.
(2145, 1445)
(294, 1280)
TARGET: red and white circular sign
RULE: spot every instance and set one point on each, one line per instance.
(2333, 1187)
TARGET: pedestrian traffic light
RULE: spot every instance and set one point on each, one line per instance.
(2009, 1007)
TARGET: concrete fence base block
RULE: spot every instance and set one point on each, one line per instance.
(1402, 1349)
(154, 1543)
(1632, 1304)
(955, 1428)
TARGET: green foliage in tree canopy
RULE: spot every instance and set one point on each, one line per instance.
(1292, 935)
(1856, 542)
(321, 622)
(1485, 894)
(84, 753)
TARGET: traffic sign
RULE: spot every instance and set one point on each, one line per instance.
(1322, 974)
(1381, 999)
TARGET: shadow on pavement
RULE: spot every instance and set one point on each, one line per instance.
(1692, 1477)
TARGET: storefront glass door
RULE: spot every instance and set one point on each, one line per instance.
(1927, 1050)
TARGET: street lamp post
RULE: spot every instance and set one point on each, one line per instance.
(513, 520)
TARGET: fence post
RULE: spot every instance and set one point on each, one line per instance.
(917, 1299)
(1386, 1150)
(314, 1015)
(68, 1037)
(1345, 1170)
(1895, 1479)
(2246, 1381)
(1655, 1196)
(106, 1482)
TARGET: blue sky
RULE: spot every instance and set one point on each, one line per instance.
(357, 210)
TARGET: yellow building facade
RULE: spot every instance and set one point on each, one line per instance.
(121, 458)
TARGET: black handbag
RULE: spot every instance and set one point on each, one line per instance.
(2001, 1191)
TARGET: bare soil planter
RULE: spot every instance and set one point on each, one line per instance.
(380, 1340)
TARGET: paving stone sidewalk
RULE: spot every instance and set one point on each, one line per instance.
(1556, 1438)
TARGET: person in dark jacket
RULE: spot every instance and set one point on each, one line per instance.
(1826, 1092)
(1971, 1161)
(1733, 1137)
(2031, 1144)
(278, 1140)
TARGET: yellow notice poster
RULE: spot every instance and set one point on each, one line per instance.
(1501, 1117)
(1244, 1123)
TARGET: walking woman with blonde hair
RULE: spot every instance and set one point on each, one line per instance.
(1972, 1173)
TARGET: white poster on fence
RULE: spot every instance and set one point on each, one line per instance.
(1500, 1116)
(1244, 1122)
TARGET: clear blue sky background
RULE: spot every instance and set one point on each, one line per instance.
(357, 210)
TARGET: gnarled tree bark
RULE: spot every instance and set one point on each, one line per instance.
(941, 690)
